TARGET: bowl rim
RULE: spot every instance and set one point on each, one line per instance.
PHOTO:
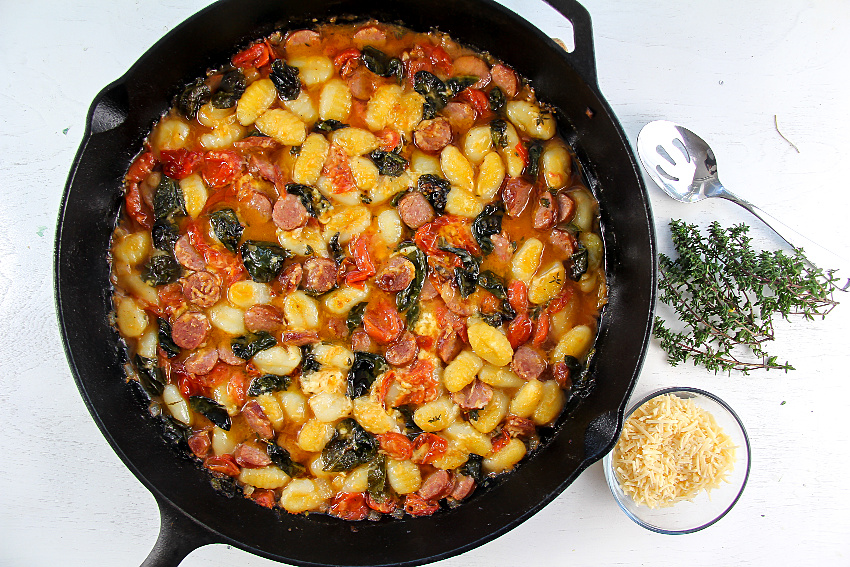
(610, 476)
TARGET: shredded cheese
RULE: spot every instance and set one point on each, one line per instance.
(669, 451)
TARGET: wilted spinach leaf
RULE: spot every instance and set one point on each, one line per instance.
(363, 372)
(578, 263)
(499, 133)
(227, 228)
(283, 459)
(315, 203)
(193, 96)
(434, 90)
(407, 298)
(174, 431)
(308, 360)
(150, 376)
(496, 99)
(388, 163)
(267, 384)
(328, 126)
(466, 275)
(212, 410)
(472, 467)
(168, 199)
(166, 343)
(285, 79)
(459, 83)
(164, 234)
(411, 430)
(161, 269)
(377, 479)
(396, 68)
(355, 316)
(232, 87)
(263, 260)
(246, 346)
(494, 284)
(535, 150)
(375, 60)
(485, 225)
(435, 189)
(336, 249)
(351, 447)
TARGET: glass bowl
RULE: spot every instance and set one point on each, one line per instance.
(706, 508)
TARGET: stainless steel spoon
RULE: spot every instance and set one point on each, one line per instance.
(683, 165)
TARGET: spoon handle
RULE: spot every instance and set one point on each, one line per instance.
(816, 254)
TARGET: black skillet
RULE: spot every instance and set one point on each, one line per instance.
(193, 514)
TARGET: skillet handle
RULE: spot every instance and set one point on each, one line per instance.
(583, 58)
(178, 537)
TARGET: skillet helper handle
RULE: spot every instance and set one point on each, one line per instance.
(583, 57)
(178, 537)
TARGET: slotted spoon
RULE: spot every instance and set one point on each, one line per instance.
(683, 165)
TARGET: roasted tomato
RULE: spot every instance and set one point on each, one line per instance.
(349, 506)
(382, 322)
(255, 56)
(179, 164)
(221, 168)
(224, 464)
(396, 445)
(429, 446)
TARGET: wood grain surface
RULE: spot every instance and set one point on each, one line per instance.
(726, 69)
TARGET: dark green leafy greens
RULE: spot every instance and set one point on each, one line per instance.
(388, 163)
(336, 249)
(192, 97)
(174, 431)
(577, 263)
(379, 63)
(212, 410)
(166, 343)
(485, 225)
(168, 199)
(285, 79)
(267, 384)
(328, 126)
(352, 446)
(164, 234)
(161, 269)
(466, 275)
(496, 99)
(283, 459)
(263, 260)
(377, 479)
(461, 82)
(473, 467)
(355, 316)
(535, 150)
(434, 90)
(309, 364)
(435, 189)
(246, 346)
(315, 203)
(409, 296)
(499, 133)
(232, 87)
(150, 375)
(363, 372)
(227, 228)
(494, 284)
(725, 296)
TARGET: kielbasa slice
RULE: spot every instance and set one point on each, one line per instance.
(474, 66)
(561, 374)
(502, 247)
(545, 212)
(290, 277)
(515, 194)
(289, 212)
(257, 420)
(505, 79)
(187, 256)
(438, 485)
(262, 318)
(428, 290)
(449, 345)
(463, 487)
(528, 363)
(566, 207)
(201, 361)
(299, 338)
(302, 38)
(396, 274)
(403, 351)
(190, 330)
(369, 35)
(475, 395)
(202, 289)
(517, 426)
(415, 210)
(461, 116)
(251, 455)
(225, 354)
(319, 274)
(361, 83)
(361, 341)
(200, 444)
(259, 202)
(432, 135)
(563, 240)
(263, 167)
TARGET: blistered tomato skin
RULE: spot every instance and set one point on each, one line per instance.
(342, 270)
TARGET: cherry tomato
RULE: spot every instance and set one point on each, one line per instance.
(541, 331)
(200, 443)
(338, 171)
(500, 441)
(263, 497)
(519, 330)
(561, 301)
(436, 446)
(346, 61)
(454, 229)
(518, 296)
(170, 298)
(561, 372)
(237, 387)
(385, 506)
(415, 505)
(364, 267)
(221, 168)
(181, 163)
(437, 55)
(396, 445)
(477, 99)
(349, 506)
(141, 167)
(255, 56)
(224, 464)
(389, 138)
(138, 210)
(522, 152)
(382, 322)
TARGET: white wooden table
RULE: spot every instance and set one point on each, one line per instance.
(724, 68)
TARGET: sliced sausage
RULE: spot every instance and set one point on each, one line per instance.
(475, 395)
(262, 318)
(319, 274)
(515, 193)
(299, 338)
(256, 419)
(461, 116)
(563, 240)
(463, 487)
(251, 455)
(438, 485)
(428, 290)
(187, 256)
(505, 79)
(261, 166)
(262, 142)
(528, 363)
(290, 277)
(545, 214)
(369, 35)
(259, 202)
(561, 374)
(337, 327)
(200, 444)
(403, 351)
(302, 38)
(396, 274)
(201, 361)
(474, 66)
(202, 289)
(415, 210)
(289, 212)
(190, 330)
(502, 247)
(517, 426)
(449, 344)
(361, 341)
(432, 135)
(225, 353)
(361, 83)
(566, 207)
(455, 303)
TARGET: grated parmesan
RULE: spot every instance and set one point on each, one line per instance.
(669, 451)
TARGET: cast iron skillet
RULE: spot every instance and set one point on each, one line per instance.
(193, 514)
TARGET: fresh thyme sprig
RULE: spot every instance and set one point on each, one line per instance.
(725, 297)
